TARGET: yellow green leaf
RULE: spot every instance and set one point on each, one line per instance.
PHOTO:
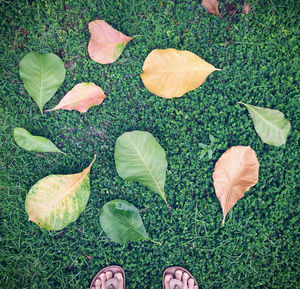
(57, 200)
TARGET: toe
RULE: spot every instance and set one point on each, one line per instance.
(108, 275)
(98, 284)
(191, 283)
(119, 277)
(195, 287)
(185, 277)
(178, 274)
(103, 278)
(168, 277)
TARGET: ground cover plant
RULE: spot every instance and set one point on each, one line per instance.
(257, 248)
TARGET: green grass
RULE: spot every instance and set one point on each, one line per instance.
(259, 57)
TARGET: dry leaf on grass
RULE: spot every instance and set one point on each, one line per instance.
(246, 8)
(171, 73)
(106, 44)
(81, 97)
(212, 6)
(235, 173)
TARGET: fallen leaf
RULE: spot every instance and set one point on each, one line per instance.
(171, 73)
(121, 222)
(106, 44)
(81, 97)
(42, 75)
(246, 8)
(58, 200)
(212, 7)
(231, 8)
(235, 173)
(29, 142)
(139, 157)
(270, 124)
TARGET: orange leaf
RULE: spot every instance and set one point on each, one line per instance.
(171, 73)
(235, 173)
(106, 44)
(212, 6)
(246, 8)
(81, 97)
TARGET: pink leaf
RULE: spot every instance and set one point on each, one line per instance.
(81, 97)
(106, 43)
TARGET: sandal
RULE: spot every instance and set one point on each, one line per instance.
(175, 283)
(113, 282)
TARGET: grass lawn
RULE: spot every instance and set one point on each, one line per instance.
(259, 57)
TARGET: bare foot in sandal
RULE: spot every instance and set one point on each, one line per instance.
(178, 278)
(112, 277)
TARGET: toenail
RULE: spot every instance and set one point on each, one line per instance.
(191, 281)
(185, 275)
(97, 281)
(119, 276)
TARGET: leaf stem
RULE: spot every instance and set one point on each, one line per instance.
(155, 242)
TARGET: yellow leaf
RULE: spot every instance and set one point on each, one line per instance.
(171, 73)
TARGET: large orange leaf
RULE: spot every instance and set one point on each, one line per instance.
(171, 73)
(235, 173)
(81, 97)
(106, 44)
(212, 7)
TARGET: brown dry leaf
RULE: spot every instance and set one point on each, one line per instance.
(235, 173)
(212, 6)
(231, 8)
(106, 44)
(81, 97)
(171, 73)
(246, 8)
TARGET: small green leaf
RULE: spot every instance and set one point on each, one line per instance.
(210, 152)
(121, 222)
(270, 124)
(202, 154)
(29, 142)
(202, 145)
(42, 75)
(139, 157)
(212, 139)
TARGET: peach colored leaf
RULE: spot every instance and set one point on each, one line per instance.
(246, 8)
(235, 173)
(58, 200)
(212, 6)
(106, 44)
(81, 97)
(171, 73)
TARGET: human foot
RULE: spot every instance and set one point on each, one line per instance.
(112, 277)
(178, 278)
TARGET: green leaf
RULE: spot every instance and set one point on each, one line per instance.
(29, 142)
(212, 139)
(58, 200)
(202, 154)
(270, 124)
(202, 145)
(139, 157)
(121, 222)
(42, 75)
